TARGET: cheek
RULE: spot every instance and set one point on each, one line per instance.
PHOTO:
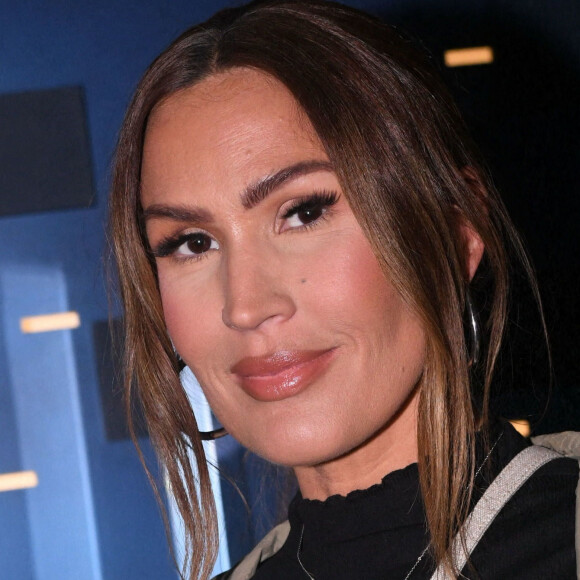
(347, 282)
(191, 311)
(366, 312)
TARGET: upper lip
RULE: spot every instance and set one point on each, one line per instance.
(272, 364)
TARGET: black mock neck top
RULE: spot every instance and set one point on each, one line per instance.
(380, 533)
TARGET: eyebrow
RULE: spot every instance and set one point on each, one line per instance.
(256, 192)
(252, 195)
(178, 213)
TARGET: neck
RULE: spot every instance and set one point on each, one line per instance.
(392, 448)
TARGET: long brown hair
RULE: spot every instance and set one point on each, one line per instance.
(408, 169)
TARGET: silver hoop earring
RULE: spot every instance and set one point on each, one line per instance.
(473, 337)
(186, 375)
(212, 435)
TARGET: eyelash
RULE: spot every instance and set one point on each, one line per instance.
(167, 246)
(321, 200)
(318, 200)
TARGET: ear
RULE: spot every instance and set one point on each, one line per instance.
(473, 248)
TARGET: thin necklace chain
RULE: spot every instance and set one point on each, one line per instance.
(422, 554)
(298, 555)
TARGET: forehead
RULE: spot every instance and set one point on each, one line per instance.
(224, 132)
(236, 89)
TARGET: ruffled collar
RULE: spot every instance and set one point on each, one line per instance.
(393, 503)
(396, 501)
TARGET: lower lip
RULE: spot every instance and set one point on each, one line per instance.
(287, 382)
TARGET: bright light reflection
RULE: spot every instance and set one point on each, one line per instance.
(50, 322)
(468, 56)
(18, 480)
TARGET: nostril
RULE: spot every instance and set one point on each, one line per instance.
(254, 311)
(236, 319)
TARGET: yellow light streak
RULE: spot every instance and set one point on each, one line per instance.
(18, 480)
(475, 55)
(50, 322)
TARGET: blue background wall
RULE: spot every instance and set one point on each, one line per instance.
(93, 515)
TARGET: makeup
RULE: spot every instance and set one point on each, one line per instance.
(282, 374)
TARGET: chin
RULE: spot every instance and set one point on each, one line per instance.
(302, 447)
(299, 457)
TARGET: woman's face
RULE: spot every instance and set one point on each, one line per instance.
(270, 290)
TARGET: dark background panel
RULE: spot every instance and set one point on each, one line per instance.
(107, 336)
(523, 111)
(44, 151)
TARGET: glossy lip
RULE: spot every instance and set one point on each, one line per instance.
(282, 374)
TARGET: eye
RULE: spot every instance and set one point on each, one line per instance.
(192, 245)
(306, 211)
(305, 216)
(197, 243)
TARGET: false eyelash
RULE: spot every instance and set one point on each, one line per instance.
(317, 199)
(168, 245)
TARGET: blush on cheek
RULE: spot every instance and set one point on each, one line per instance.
(353, 273)
(184, 317)
(172, 309)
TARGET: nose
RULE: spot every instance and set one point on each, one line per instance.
(256, 290)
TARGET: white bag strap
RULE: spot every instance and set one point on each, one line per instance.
(502, 488)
